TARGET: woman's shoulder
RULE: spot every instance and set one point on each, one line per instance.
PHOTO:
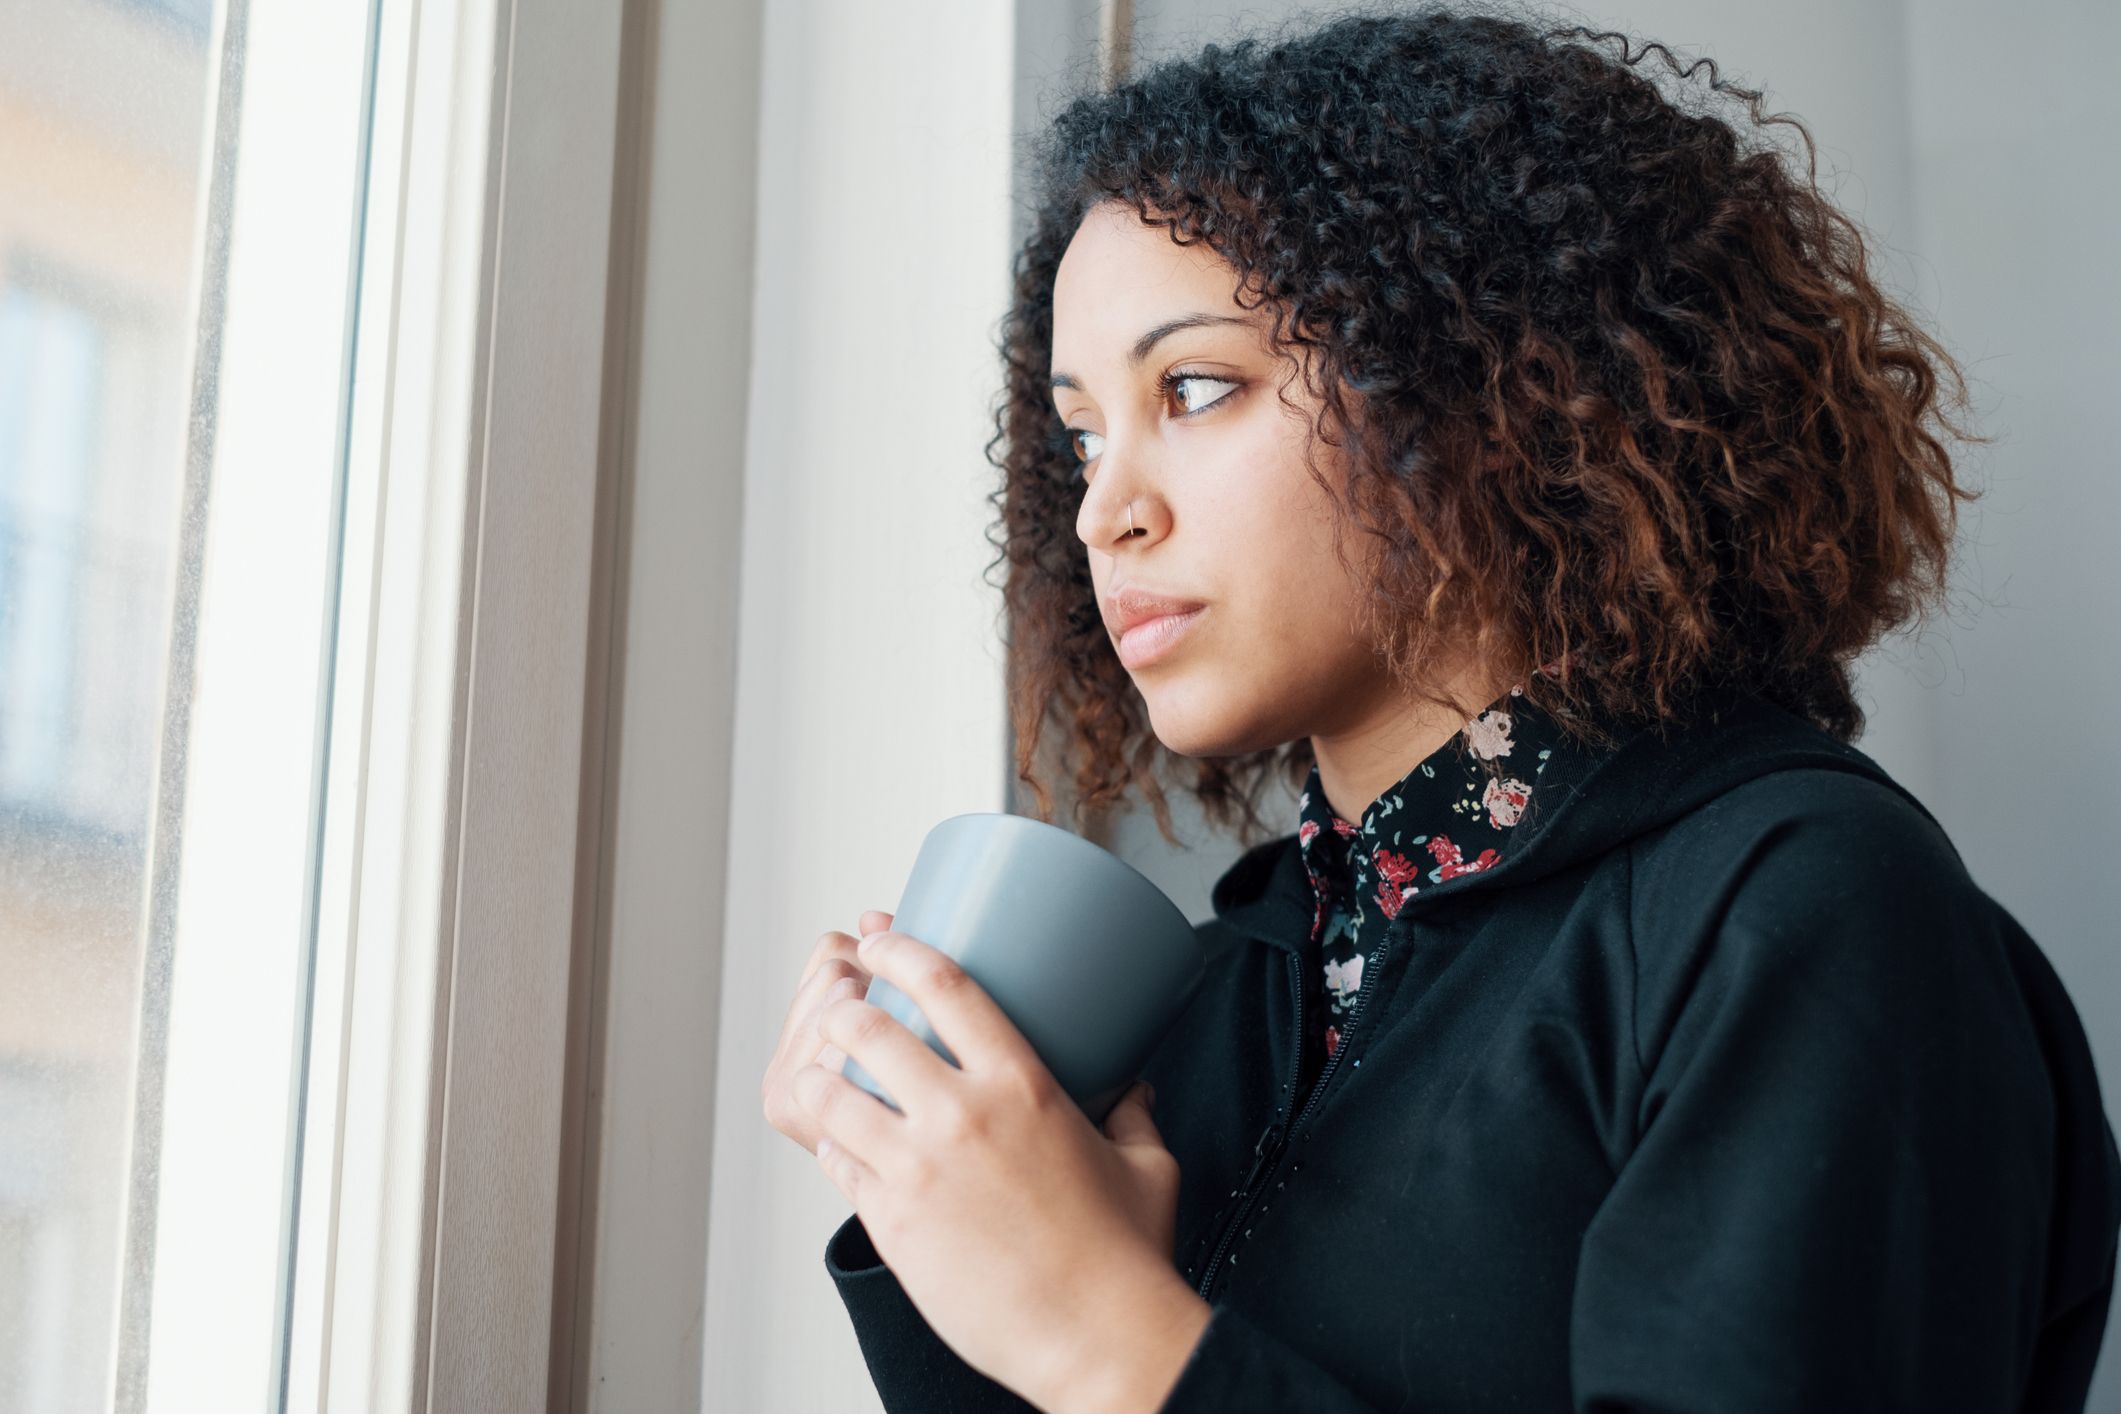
(1803, 846)
(1826, 893)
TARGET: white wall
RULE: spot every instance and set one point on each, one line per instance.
(869, 680)
(2013, 116)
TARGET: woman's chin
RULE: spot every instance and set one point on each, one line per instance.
(1192, 720)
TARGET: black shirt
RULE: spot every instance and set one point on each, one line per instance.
(1723, 1088)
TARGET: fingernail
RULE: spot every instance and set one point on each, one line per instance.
(868, 939)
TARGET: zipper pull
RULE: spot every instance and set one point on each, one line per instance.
(1263, 1154)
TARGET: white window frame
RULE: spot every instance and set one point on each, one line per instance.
(573, 478)
(458, 664)
(449, 1063)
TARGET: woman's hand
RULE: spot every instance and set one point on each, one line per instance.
(1036, 1246)
(831, 973)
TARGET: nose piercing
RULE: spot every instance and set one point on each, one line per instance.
(1130, 519)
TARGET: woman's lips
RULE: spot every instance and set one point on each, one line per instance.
(1151, 639)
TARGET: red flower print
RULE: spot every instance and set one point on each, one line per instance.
(1453, 862)
(1343, 828)
(1505, 800)
(1332, 1039)
(1306, 832)
(1396, 876)
(1396, 867)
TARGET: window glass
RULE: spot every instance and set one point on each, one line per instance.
(103, 116)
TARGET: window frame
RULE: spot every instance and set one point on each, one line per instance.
(437, 1066)
(528, 1045)
(451, 1012)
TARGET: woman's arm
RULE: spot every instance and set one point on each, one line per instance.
(1231, 1365)
(908, 1362)
(913, 1368)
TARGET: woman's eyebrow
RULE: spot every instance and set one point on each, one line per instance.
(1150, 339)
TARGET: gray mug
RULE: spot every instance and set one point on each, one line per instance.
(1090, 960)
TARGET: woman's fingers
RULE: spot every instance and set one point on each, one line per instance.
(830, 974)
(802, 1009)
(800, 1045)
(977, 1031)
(836, 944)
(900, 1061)
(853, 1118)
(829, 946)
(811, 1042)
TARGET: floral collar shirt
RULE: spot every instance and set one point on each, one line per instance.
(1453, 813)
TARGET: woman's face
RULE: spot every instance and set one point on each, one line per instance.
(1227, 514)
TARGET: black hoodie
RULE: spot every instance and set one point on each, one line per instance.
(1726, 1089)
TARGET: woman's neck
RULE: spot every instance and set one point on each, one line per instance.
(1359, 763)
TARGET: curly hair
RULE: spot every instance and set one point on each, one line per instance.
(1614, 385)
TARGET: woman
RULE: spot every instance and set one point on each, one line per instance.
(1512, 455)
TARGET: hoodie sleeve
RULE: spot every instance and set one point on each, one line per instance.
(1235, 1366)
(1854, 1125)
(913, 1369)
(1238, 1367)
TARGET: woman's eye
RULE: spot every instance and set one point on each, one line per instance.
(1079, 437)
(1180, 380)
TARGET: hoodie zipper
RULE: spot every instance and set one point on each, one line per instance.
(1274, 1139)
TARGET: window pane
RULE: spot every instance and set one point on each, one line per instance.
(102, 126)
(179, 194)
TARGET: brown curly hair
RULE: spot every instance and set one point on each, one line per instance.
(1614, 388)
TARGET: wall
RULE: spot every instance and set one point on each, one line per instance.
(868, 700)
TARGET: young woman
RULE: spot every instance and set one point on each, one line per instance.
(1510, 450)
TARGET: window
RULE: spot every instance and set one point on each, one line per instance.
(179, 208)
(102, 121)
(303, 458)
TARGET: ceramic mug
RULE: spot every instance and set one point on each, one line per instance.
(1090, 960)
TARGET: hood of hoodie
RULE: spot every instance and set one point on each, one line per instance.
(1598, 799)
